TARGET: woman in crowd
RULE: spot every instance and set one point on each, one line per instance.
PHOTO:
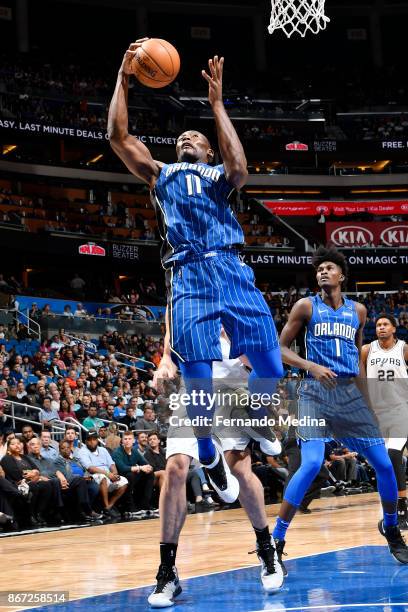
(20, 470)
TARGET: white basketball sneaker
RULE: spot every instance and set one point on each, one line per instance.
(271, 569)
(167, 588)
(263, 434)
(219, 474)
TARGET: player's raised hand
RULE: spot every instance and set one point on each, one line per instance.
(126, 66)
(214, 79)
(167, 370)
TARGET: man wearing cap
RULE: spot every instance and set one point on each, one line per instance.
(98, 462)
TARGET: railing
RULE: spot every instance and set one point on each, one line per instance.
(24, 417)
(133, 358)
(30, 323)
(90, 347)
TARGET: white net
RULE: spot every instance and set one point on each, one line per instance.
(298, 16)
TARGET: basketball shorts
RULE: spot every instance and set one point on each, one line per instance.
(181, 438)
(213, 289)
(393, 423)
(340, 413)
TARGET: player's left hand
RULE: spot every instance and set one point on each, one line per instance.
(214, 79)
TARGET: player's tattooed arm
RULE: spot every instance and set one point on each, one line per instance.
(299, 316)
(167, 369)
(232, 151)
(134, 154)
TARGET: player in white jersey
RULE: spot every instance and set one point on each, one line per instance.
(385, 361)
(182, 447)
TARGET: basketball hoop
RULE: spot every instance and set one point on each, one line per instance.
(298, 16)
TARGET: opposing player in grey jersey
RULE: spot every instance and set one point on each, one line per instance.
(181, 449)
(385, 361)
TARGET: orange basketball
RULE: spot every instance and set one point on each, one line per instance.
(156, 63)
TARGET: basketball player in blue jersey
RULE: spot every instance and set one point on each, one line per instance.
(334, 332)
(208, 284)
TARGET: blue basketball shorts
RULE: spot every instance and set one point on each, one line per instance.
(213, 289)
(343, 411)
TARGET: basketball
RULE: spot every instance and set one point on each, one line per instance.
(156, 63)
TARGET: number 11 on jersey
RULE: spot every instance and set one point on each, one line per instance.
(338, 347)
(193, 184)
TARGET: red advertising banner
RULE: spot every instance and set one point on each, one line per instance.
(376, 207)
(367, 234)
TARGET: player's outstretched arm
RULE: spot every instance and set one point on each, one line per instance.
(134, 154)
(232, 151)
(298, 318)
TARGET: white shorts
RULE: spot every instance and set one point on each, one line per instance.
(189, 446)
(112, 486)
(394, 426)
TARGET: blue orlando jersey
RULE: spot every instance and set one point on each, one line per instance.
(194, 216)
(330, 337)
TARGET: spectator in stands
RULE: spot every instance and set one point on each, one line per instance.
(74, 485)
(342, 463)
(80, 311)
(49, 448)
(71, 436)
(21, 393)
(47, 470)
(130, 419)
(92, 421)
(47, 414)
(156, 457)
(139, 473)
(142, 442)
(108, 412)
(97, 461)
(112, 440)
(22, 471)
(65, 412)
(148, 421)
(67, 311)
(26, 434)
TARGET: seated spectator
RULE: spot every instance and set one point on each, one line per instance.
(107, 413)
(148, 422)
(156, 457)
(74, 484)
(92, 421)
(47, 471)
(130, 419)
(142, 442)
(71, 436)
(49, 448)
(47, 414)
(22, 471)
(342, 463)
(26, 434)
(112, 440)
(65, 411)
(80, 311)
(14, 511)
(98, 462)
(139, 474)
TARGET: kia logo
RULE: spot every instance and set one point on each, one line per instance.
(396, 235)
(404, 206)
(351, 235)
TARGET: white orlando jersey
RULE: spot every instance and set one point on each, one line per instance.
(386, 370)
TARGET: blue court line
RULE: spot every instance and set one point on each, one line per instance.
(361, 578)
